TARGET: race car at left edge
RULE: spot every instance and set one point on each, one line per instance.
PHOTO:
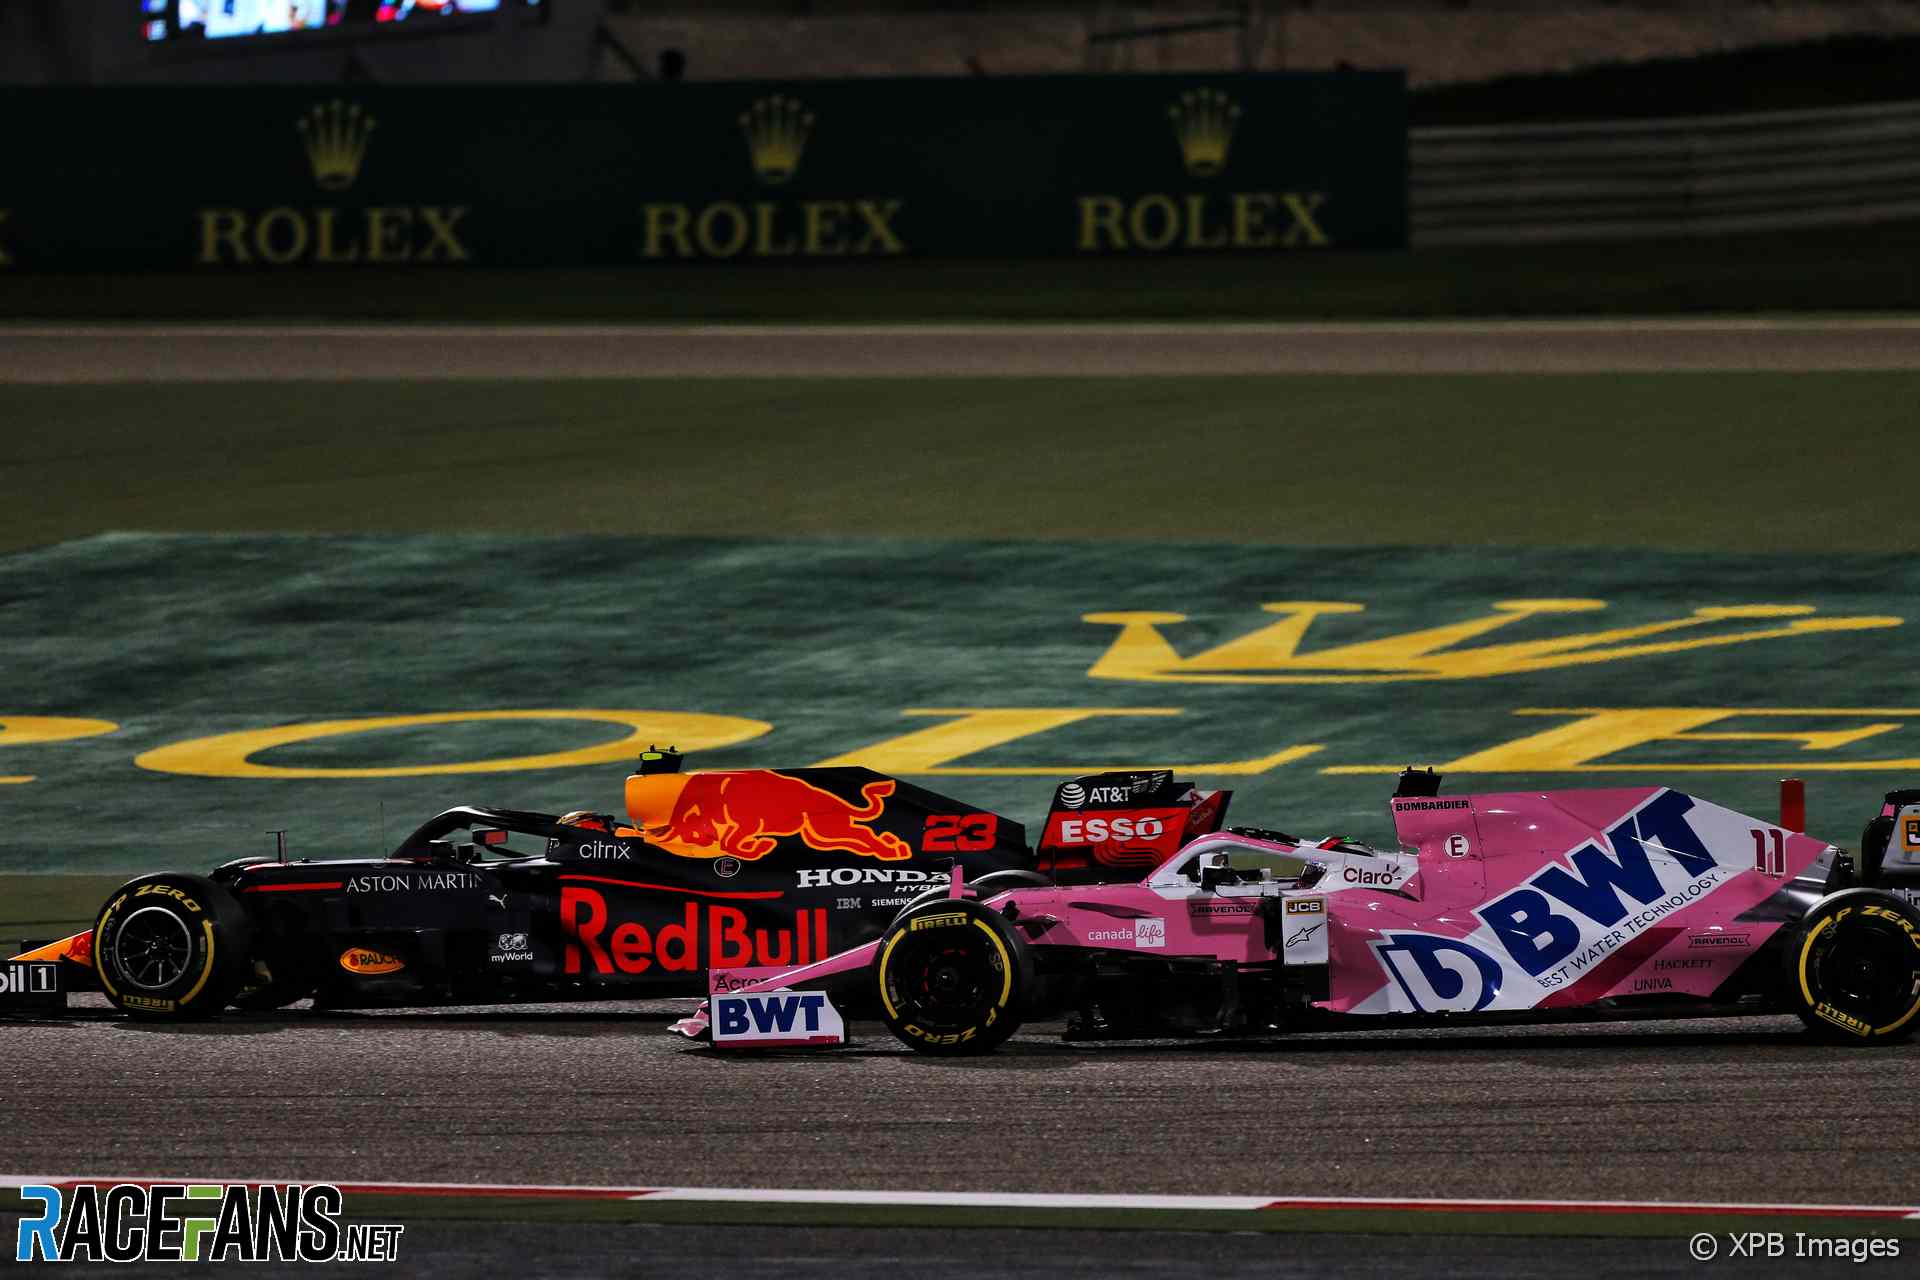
(710, 869)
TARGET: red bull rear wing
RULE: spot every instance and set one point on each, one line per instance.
(1119, 826)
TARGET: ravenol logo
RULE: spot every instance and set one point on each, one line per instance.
(177, 1222)
(1272, 654)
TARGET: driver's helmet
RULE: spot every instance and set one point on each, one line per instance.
(587, 821)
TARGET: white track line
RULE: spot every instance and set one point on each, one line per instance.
(1015, 1200)
(514, 332)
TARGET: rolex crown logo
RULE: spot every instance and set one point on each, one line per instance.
(1203, 123)
(776, 130)
(336, 136)
(1456, 649)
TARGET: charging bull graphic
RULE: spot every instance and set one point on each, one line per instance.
(745, 813)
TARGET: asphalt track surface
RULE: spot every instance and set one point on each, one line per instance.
(848, 1253)
(1734, 1110)
(1705, 1110)
(173, 353)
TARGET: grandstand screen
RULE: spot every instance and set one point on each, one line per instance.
(229, 19)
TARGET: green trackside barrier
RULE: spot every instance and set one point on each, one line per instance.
(273, 179)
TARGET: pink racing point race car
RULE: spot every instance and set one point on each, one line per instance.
(1522, 907)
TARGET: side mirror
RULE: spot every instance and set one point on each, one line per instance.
(1215, 872)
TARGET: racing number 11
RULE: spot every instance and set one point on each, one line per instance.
(959, 832)
(1769, 862)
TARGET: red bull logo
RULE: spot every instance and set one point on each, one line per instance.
(717, 938)
(745, 813)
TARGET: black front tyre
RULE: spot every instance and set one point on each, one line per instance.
(171, 946)
(951, 978)
(1854, 968)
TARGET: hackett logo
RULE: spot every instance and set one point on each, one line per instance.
(336, 137)
(776, 130)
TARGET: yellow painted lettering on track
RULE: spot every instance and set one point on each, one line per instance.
(19, 731)
(1273, 654)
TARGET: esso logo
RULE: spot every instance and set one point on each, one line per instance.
(1096, 830)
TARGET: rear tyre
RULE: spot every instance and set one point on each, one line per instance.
(952, 978)
(171, 946)
(1854, 968)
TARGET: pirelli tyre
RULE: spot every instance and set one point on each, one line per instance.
(171, 946)
(951, 977)
(1854, 967)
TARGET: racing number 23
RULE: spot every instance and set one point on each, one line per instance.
(959, 832)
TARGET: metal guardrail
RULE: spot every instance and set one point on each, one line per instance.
(1693, 175)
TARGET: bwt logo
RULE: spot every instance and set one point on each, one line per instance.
(767, 1014)
(1440, 975)
(1529, 921)
(776, 1018)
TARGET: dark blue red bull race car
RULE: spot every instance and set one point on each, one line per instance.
(726, 869)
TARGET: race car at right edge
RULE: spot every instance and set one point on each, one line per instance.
(1519, 907)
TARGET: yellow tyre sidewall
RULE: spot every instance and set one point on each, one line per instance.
(991, 1027)
(193, 994)
(1827, 1017)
